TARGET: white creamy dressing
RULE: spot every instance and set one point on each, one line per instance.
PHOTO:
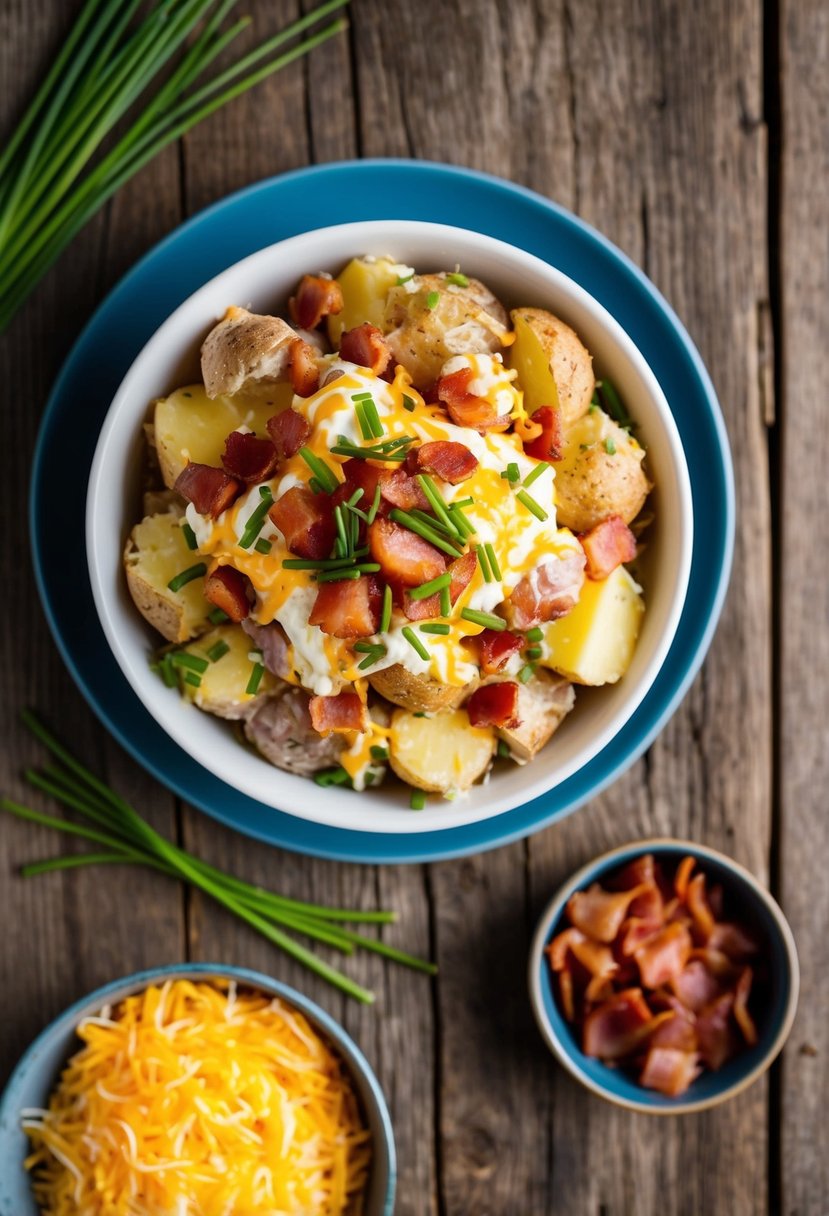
(491, 380)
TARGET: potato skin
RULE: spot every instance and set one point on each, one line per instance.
(543, 704)
(570, 362)
(154, 553)
(600, 474)
(465, 320)
(244, 348)
(417, 693)
(441, 753)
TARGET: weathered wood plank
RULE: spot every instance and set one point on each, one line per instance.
(804, 592)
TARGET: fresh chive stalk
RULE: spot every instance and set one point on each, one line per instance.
(415, 642)
(217, 616)
(189, 536)
(385, 615)
(323, 473)
(488, 619)
(483, 563)
(493, 561)
(435, 627)
(531, 505)
(187, 576)
(431, 534)
(426, 589)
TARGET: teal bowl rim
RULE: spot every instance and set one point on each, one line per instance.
(370, 1091)
(611, 1084)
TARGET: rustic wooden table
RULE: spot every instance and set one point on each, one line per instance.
(697, 137)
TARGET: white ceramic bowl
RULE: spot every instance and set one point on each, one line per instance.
(263, 282)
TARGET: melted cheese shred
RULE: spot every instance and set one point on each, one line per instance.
(193, 1099)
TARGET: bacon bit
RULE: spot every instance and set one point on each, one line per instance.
(616, 1028)
(669, 1070)
(683, 876)
(608, 545)
(366, 346)
(341, 713)
(403, 490)
(695, 986)
(637, 873)
(404, 557)
(463, 407)
(288, 431)
(493, 650)
(677, 1031)
(302, 368)
(550, 594)
(565, 989)
(663, 956)
(453, 462)
(306, 521)
(549, 443)
(495, 705)
(359, 475)
(229, 590)
(247, 458)
(635, 931)
(715, 1033)
(461, 572)
(350, 609)
(698, 907)
(741, 1014)
(600, 913)
(316, 297)
(210, 490)
(598, 960)
(732, 940)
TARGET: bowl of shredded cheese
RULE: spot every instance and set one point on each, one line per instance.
(195, 1090)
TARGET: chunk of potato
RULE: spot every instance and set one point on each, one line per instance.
(600, 474)
(595, 642)
(441, 754)
(418, 693)
(438, 319)
(365, 284)
(188, 425)
(543, 704)
(224, 682)
(155, 553)
(246, 351)
(554, 366)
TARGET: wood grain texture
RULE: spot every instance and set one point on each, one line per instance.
(804, 596)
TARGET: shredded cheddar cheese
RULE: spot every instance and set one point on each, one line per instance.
(193, 1099)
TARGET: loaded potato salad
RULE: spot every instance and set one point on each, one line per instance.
(393, 531)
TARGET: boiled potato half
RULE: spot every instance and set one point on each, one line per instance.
(365, 284)
(188, 425)
(595, 642)
(417, 692)
(600, 473)
(553, 364)
(222, 690)
(156, 552)
(543, 704)
(442, 753)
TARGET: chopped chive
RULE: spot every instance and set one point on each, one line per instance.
(375, 505)
(322, 563)
(526, 673)
(218, 650)
(511, 472)
(436, 500)
(419, 714)
(255, 679)
(536, 634)
(493, 561)
(415, 642)
(187, 576)
(460, 521)
(365, 428)
(341, 532)
(408, 403)
(192, 679)
(385, 615)
(434, 537)
(338, 576)
(503, 750)
(266, 492)
(254, 525)
(540, 468)
(263, 546)
(355, 497)
(332, 776)
(614, 406)
(426, 589)
(484, 564)
(217, 616)
(368, 647)
(192, 662)
(418, 800)
(371, 659)
(344, 447)
(610, 446)
(324, 475)
(390, 444)
(531, 504)
(594, 407)
(356, 513)
(189, 536)
(379, 753)
(373, 419)
(364, 396)
(438, 628)
(166, 670)
(404, 278)
(460, 280)
(432, 300)
(431, 521)
(445, 602)
(488, 619)
(461, 502)
(315, 486)
(533, 652)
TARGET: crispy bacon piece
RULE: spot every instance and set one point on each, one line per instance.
(715, 1031)
(732, 940)
(698, 907)
(403, 490)
(683, 876)
(635, 874)
(551, 593)
(288, 432)
(549, 444)
(341, 713)
(228, 589)
(597, 959)
(359, 475)
(678, 1030)
(635, 931)
(316, 297)
(741, 1014)
(349, 609)
(404, 557)
(306, 521)
(565, 989)
(663, 956)
(247, 458)
(608, 545)
(600, 913)
(302, 368)
(210, 490)
(366, 346)
(463, 407)
(453, 462)
(461, 571)
(616, 1028)
(495, 705)
(669, 1070)
(493, 650)
(695, 986)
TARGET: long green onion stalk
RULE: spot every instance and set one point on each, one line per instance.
(144, 82)
(123, 837)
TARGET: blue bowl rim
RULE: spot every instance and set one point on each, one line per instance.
(591, 871)
(136, 981)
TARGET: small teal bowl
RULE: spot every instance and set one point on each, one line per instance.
(38, 1069)
(774, 1023)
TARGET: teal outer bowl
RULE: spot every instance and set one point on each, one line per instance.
(38, 1069)
(774, 1023)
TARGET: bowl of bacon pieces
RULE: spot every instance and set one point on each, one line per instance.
(664, 977)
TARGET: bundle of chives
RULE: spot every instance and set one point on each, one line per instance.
(126, 838)
(52, 179)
